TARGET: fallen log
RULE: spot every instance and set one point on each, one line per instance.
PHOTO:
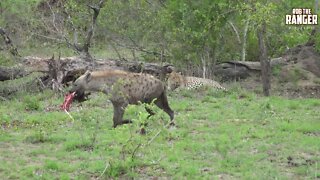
(234, 70)
(8, 73)
(61, 71)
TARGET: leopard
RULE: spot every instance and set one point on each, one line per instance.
(176, 80)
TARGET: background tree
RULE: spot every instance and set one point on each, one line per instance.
(193, 35)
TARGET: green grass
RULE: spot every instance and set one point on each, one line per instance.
(237, 135)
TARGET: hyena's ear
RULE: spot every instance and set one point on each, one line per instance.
(87, 75)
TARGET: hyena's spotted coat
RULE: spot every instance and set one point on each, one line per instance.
(124, 88)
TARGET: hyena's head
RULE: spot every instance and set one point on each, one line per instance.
(80, 85)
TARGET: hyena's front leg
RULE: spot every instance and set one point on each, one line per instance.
(118, 111)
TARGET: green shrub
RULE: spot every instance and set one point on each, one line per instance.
(31, 103)
(276, 70)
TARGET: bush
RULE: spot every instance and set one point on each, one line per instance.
(31, 103)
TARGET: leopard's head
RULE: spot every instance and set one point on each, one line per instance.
(174, 81)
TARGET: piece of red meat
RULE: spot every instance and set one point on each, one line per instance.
(67, 101)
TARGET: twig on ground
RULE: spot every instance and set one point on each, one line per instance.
(157, 134)
(69, 115)
(135, 150)
(105, 169)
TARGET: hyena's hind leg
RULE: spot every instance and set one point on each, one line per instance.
(162, 103)
(118, 111)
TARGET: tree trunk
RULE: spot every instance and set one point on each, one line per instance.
(265, 63)
(204, 65)
(205, 58)
(217, 50)
(244, 41)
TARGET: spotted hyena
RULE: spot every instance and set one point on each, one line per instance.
(124, 88)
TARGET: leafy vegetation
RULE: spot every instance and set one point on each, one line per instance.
(233, 135)
(195, 33)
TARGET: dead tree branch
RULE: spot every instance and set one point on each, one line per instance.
(86, 45)
(235, 31)
(82, 50)
(137, 47)
(12, 49)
